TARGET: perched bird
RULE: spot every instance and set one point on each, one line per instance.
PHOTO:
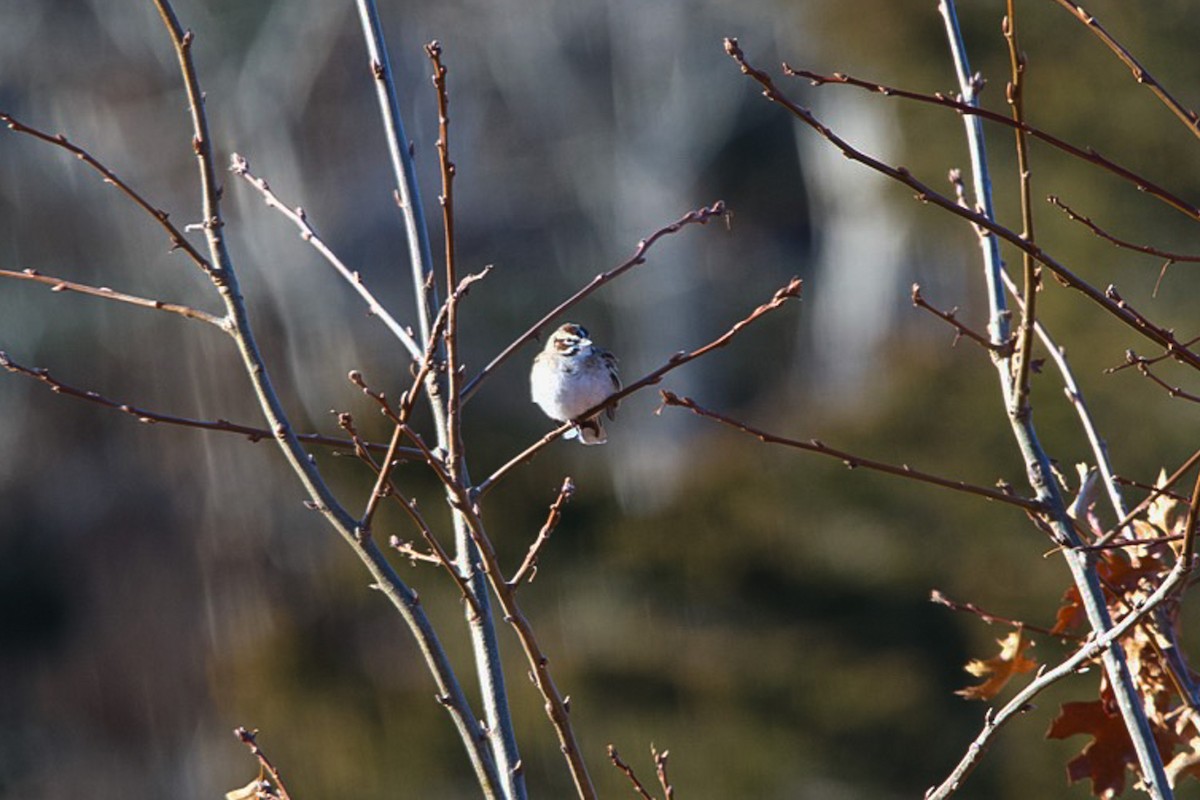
(571, 375)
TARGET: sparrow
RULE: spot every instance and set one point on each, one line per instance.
(571, 375)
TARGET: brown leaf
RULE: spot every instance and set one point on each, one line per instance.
(1001, 669)
(1105, 758)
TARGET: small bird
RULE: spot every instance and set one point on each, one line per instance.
(571, 375)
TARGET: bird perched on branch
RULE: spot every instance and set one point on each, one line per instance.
(572, 375)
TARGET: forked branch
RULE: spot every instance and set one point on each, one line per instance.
(698, 217)
(791, 290)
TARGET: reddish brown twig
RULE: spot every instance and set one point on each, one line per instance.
(1174, 478)
(1142, 365)
(250, 739)
(1157, 541)
(453, 400)
(1086, 154)
(410, 552)
(1160, 335)
(1146, 249)
(994, 619)
(660, 768)
(384, 487)
(950, 317)
(615, 758)
(150, 417)
(178, 241)
(528, 569)
(1155, 491)
(1185, 115)
(854, 461)
(699, 217)
(791, 290)
(557, 706)
(61, 285)
(1023, 357)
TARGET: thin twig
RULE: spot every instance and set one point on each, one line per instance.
(853, 461)
(1174, 478)
(1122, 311)
(995, 619)
(1143, 366)
(557, 707)
(1154, 490)
(407, 550)
(250, 739)
(241, 167)
(1056, 520)
(178, 240)
(1089, 155)
(61, 285)
(660, 768)
(450, 693)
(1146, 249)
(615, 758)
(1154, 360)
(1155, 542)
(1020, 703)
(1187, 555)
(454, 443)
(785, 293)
(409, 399)
(144, 415)
(1188, 117)
(528, 569)
(950, 317)
(408, 192)
(700, 216)
(1032, 273)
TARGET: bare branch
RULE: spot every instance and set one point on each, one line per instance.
(450, 693)
(1140, 74)
(250, 739)
(791, 290)
(1023, 357)
(853, 461)
(1089, 155)
(660, 768)
(61, 285)
(700, 216)
(1143, 366)
(241, 167)
(1146, 249)
(924, 193)
(408, 193)
(528, 569)
(144, 415)
(950, 317)
(161, 217)
(994, 619)
(557, 707)
(1056, 520)
(1020, 702)
(615, 758)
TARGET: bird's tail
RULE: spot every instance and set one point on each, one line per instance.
(589, 432)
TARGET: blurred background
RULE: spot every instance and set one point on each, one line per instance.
(761, 613)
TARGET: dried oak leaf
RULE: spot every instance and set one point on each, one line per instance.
(1001, 669)
(1133, 575)
(1105, 758)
